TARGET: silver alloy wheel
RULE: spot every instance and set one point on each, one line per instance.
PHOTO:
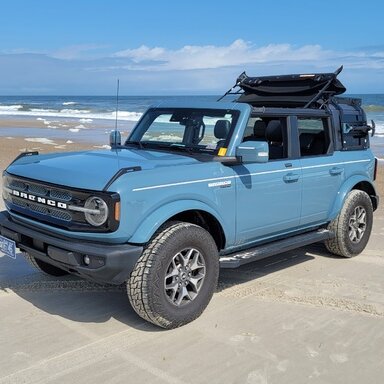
(357, 224)
(184, 277)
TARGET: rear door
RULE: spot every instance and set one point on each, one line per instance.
(322, 172)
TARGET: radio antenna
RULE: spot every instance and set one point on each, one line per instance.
(117, 102)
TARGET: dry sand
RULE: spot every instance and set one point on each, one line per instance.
(299, 317)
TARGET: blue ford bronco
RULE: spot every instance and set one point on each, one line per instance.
(196, 187)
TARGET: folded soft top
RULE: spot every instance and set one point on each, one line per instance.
(296, 90)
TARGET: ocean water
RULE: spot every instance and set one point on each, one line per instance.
(92, 117)
(130, 107)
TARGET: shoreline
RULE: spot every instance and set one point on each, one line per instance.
(62, 129)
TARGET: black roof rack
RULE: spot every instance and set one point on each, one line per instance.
(298, 90)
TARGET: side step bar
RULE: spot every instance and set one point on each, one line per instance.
(235, 260)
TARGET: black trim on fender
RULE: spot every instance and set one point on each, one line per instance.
(119, 173)
(375, 201)
(23, 154)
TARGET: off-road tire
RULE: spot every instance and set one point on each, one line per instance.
(341, 244)
(146, 287)
(46, 268)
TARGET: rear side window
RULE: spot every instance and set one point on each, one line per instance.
(313, 136)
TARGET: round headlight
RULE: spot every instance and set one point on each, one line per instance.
(98, 211)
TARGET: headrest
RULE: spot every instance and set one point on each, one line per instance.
(221, 129)
(259, 129)
(274, 132)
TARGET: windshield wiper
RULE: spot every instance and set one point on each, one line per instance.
(135, 143)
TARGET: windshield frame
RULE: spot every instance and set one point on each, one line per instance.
(137, 134)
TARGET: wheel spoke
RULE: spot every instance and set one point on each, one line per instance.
(352, 233)
(196, 264)
(173, 288)
(361, 217)
(194, 282)
(173, 272)
(360, 233)
(188, 256)
(183, 292)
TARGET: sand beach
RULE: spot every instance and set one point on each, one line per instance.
(299, 317)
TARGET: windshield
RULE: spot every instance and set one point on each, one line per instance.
(194, 130)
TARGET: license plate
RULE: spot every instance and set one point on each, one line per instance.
(8, 247)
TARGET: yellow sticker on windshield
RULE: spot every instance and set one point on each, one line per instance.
(222, 152)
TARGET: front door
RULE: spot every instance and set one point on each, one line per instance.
(269, 194)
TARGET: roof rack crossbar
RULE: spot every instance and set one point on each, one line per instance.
(230, 91)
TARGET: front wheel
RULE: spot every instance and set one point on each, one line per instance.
(352, 227)
(174, 279)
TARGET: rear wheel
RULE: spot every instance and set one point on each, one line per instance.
(174, 279)
(46, 268)
(352, 227)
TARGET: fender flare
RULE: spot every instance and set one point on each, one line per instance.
(343, 192)
(152, 223)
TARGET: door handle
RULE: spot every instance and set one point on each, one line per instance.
(291, 177)
(336, 171)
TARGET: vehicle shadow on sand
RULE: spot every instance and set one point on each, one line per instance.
(82, 301)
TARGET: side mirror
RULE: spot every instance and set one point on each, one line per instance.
(373, 128)
(115, 139)
(253, 152)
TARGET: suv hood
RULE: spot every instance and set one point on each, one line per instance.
(92, 169)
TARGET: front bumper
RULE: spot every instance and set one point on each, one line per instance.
(109, 263)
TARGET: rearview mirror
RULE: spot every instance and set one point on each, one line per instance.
(253, 152)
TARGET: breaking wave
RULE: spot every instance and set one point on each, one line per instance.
(17, 110)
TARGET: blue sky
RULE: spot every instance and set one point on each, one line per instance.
(184, 47)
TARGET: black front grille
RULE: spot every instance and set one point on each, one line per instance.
(51, 204)
(16, 184)
(20, 202)
(60, 195)
(38, 190)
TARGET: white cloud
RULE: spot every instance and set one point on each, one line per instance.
(241, 54)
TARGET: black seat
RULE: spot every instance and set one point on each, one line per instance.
(312, 144)
(258, 132)
(306, 140)
(274, 136)
(221, 131)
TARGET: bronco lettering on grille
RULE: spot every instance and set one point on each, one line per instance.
(38, 199)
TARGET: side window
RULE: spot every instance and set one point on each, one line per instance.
(212, 138)
(273, 130)
(313, 136)
(254, 131)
